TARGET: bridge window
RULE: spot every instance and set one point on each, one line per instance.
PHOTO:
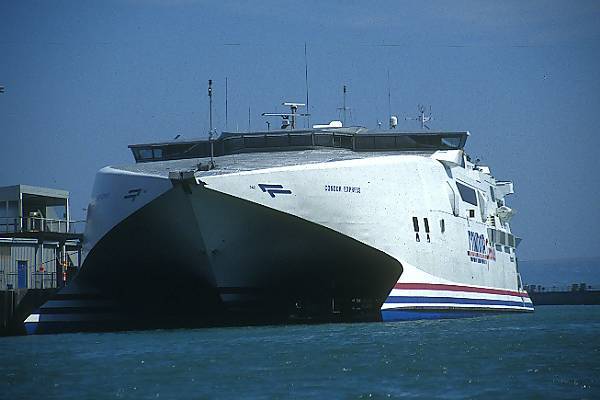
(467, 194)
(145, 154)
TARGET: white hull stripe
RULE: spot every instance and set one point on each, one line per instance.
(460, 295)
(450, 306)
(412, 301)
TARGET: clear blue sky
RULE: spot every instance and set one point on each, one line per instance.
(86, 78)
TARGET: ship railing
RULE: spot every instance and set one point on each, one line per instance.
(39, 224)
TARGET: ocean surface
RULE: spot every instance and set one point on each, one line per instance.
(552, 353)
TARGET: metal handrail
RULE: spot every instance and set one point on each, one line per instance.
(39, 224)
(43, 280)
(39, 280)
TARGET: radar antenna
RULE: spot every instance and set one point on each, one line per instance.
(288, 119)
(423, 117)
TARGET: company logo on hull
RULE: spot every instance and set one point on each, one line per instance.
(273, 190)
(480, 251)
(132, 194)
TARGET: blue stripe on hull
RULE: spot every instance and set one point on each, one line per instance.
(413, 315)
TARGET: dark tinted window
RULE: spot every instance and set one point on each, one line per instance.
(426, 225)
(467, 194)
(511, 240)
(501, 237)
(145, 154)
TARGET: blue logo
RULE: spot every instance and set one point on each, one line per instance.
(273, 189)
(132, 194)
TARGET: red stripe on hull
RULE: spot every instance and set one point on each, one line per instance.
(457, 288)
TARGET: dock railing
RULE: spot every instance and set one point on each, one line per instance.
(38, 280)
(38, 224)
(8, 280)
(43, 280)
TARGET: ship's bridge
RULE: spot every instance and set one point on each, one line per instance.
(351, 138)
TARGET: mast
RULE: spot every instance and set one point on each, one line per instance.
(344, 105)
(344, 108)
(306, 83)
(210, 106)
(210, 124)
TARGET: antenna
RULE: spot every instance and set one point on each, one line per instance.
(389, 94)
(422, 117)
(288, 119)
(210, 131)
(344, 105)
(393, 119)
(225, 103)
(248, 118)
(306, 83)
(210, 105)
(344, 108)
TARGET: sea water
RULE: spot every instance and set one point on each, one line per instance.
(552, 353)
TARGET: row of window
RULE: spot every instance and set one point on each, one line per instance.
(500, 248)
(468, 194)
(503, 238)
(504, 241)
(426, 225)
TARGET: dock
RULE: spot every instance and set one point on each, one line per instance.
(40, 250)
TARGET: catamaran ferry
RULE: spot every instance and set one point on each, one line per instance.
(325, 224)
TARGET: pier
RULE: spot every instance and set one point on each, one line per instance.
(40, 250)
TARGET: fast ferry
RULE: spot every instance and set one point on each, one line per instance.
(325, 224)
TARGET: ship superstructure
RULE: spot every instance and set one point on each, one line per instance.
(326, 224)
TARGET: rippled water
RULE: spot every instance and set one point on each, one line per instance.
(553, 353)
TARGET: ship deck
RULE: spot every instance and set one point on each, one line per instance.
(233, 163)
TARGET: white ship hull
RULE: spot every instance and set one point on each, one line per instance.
(335, 240)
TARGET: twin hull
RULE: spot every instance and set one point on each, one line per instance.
(325, 241)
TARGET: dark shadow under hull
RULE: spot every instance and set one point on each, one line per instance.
(195, 257)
